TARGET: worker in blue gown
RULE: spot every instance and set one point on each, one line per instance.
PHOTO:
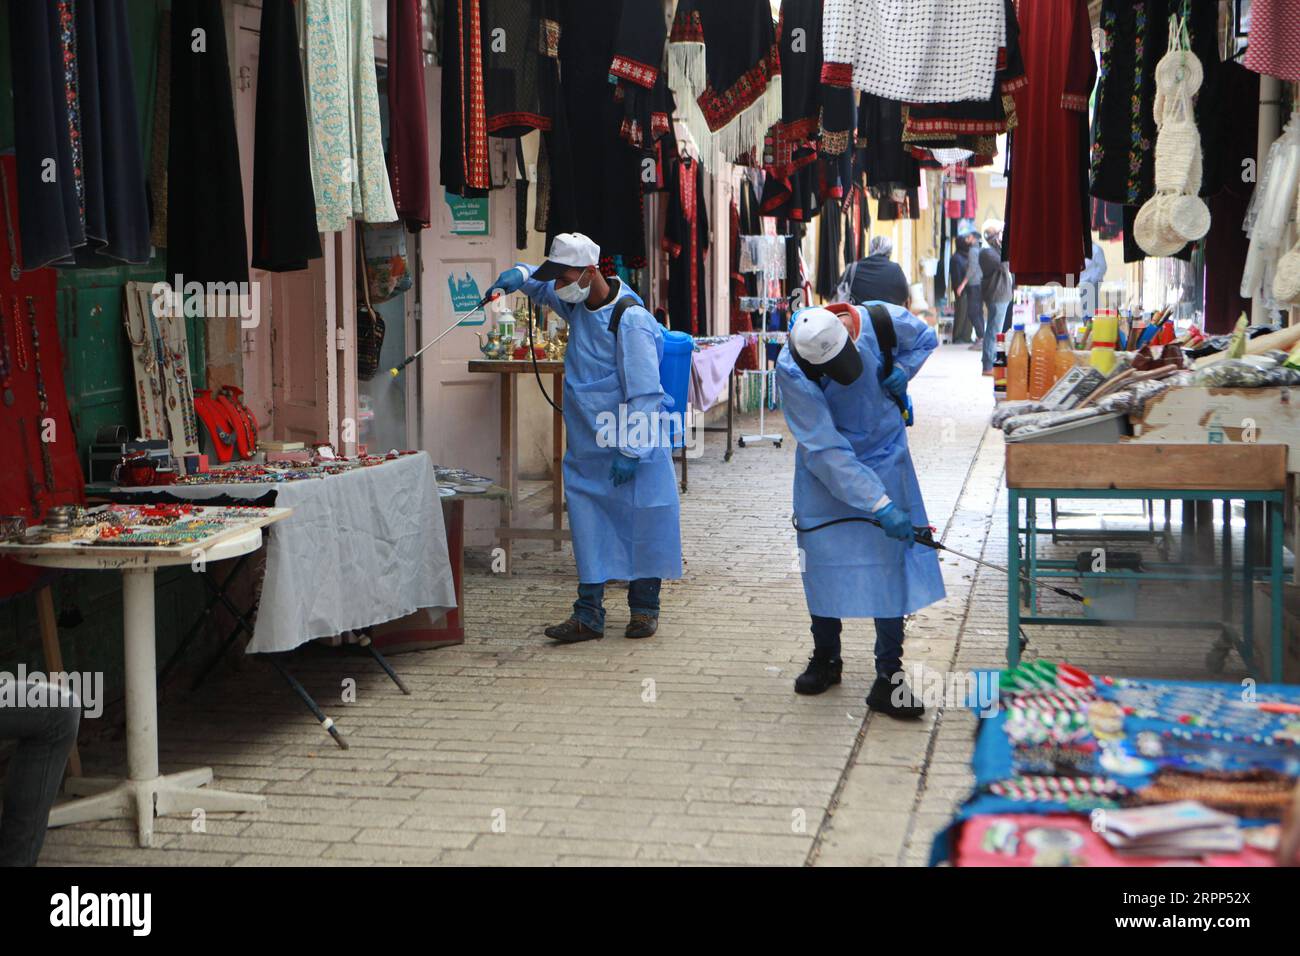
(618, 471)
(843, 399)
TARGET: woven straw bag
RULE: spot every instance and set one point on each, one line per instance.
(1188, 217)
(1151, 228)
(1178, 149)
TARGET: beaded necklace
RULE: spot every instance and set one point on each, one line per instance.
(5, 368)
(42, 395)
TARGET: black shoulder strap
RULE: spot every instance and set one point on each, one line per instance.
(883, 325)
(621, 306)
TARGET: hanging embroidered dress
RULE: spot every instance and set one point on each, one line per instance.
(725, 68)
(1048, 214)
(914, 51)
(349, 174)
(74, 104)
(686, 240)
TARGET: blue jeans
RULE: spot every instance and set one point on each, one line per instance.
(642, 598)
(889, 642)
(45, 738)
(994, 311)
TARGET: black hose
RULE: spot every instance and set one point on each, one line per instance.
(532, 353)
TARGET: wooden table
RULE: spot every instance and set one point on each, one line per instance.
(508, 531)
(146, 791)
(1132, 471)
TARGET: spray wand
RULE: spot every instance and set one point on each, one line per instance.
(396, 369)
(925, 536)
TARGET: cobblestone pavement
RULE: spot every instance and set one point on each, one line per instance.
(687, 748)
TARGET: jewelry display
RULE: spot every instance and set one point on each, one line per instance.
(6, 370)
(42, 396)
(20, 347)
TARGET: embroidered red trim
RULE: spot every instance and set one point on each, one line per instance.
(507, 120)
(837, 74)
(1074, 101)
(641, 74)
(1015, 83)
(719, 109)
(687, 28)
(476, 161)
(954, 127)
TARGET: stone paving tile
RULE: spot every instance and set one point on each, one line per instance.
(687, 749)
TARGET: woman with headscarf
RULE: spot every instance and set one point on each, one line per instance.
(877, 278)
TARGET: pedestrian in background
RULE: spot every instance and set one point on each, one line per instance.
(997, 289)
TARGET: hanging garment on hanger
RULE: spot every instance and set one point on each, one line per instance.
(640, 85)
(408, 122)
(348, 169)
(686, 235)
(725, 68)
(595, 175)
(1274, 41)
(518, 66)
(284, 206)
(74, 104)
(1047, 240)
(464, 154)
(915, 51)
(206, 241)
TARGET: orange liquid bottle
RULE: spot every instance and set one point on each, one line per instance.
(1018, 365)
(1042, 359)
(1064, 349)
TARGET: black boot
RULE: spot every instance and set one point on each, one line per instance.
(820, 674)
(572, 631)
(892, 696)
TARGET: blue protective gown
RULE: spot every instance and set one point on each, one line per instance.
(852, 460)
(632, 530)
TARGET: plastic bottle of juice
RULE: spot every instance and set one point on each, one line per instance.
(1042, 359)
(1000, 370)
(1064, 348)
(1018, 365)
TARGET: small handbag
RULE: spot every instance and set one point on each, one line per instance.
(370, 331)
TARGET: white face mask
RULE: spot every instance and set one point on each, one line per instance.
(573, 293)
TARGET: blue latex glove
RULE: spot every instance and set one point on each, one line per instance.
(623, 468)
(895, 383)
(895, 523)
(512, 280)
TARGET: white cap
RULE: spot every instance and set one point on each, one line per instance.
(569, 250)
(993, 225)
(818, 335)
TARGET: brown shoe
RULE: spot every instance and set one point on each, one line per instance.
(573, 631)
(641, 625)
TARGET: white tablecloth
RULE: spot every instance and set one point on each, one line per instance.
(361, 548)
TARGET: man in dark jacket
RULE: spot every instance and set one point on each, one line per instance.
(996, 290)
(877, 278)
(965, 278)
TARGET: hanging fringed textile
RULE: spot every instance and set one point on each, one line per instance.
(730, 88)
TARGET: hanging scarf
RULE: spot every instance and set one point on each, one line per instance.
(284, 205)
(204, 185)
(725, 67)
(408, 147)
